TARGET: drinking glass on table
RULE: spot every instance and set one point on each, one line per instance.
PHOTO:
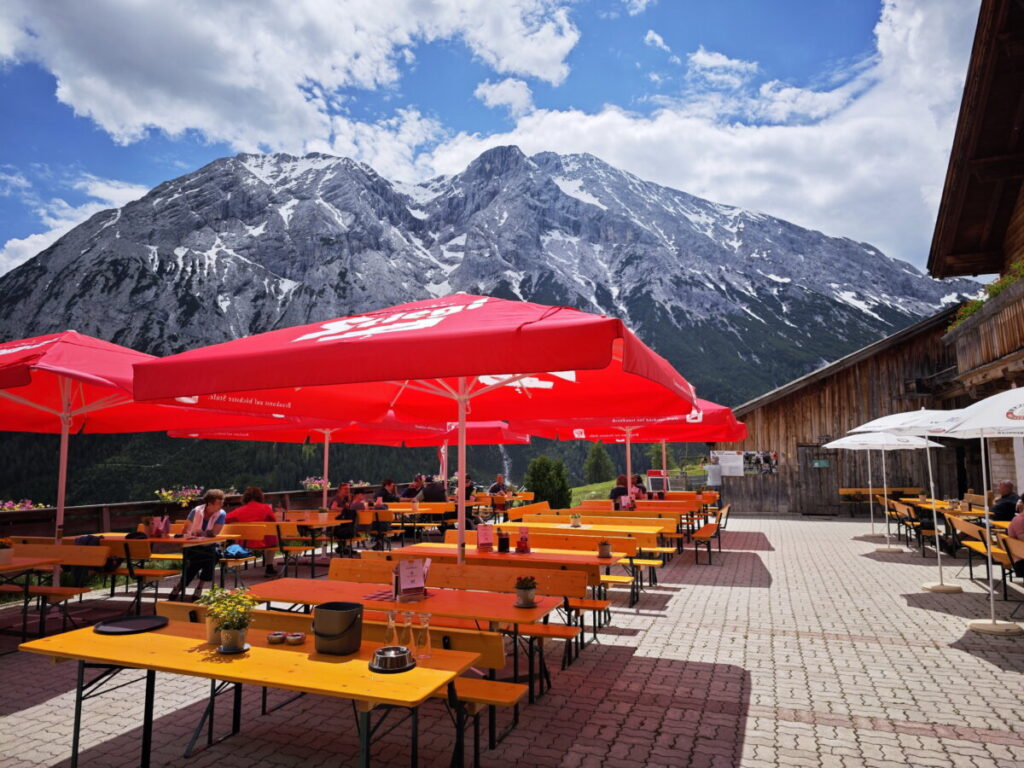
(391, 631)
(408, 633)
(423, 642)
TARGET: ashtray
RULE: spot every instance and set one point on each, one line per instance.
(391, 659)
(276, 638)
(295, 638)
(517, 604)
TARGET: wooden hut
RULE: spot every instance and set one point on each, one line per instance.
(979, 230)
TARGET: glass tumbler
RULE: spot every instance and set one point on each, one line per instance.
(423, 642)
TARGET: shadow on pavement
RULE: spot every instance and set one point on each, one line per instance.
(752, 541)
(610, 705)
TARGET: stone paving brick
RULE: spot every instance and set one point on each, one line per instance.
(799, 646)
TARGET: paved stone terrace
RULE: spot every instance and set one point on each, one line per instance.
(799, 646)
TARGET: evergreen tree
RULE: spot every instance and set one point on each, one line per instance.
(549, 482)
(653, 451)
(598, 467)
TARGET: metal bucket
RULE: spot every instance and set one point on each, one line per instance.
(338, 628)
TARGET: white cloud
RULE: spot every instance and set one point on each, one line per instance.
(635, 7)
(718, 70)
(59, 217)
(655, 40)
(863, 155)
(261, 75)
(511, 93)
(864, 158)
(12, 183)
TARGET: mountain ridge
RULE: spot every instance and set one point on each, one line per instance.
(739, 301)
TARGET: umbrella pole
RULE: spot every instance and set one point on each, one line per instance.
(885, 485)
(941, 586)
(990, 625)
(327, 464)
(871, 496)
(629, 463)
(664, 462)
(62, 474)
(460, 493)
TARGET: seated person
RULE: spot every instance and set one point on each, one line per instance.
(620, 493)
(204, 520)
(254, 510)
(342, 499)
(1005, 506)
(639, 490)
(414, 489)
(497, 491)
(388, 491)
(434, 492)
(470, 489)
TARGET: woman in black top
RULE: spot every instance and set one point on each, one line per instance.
(619, 491)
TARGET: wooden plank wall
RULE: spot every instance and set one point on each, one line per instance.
(826, 409)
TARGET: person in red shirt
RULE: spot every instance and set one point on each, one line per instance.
(255, 510)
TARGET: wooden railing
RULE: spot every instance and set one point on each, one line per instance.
(994, 331)
(94, 518)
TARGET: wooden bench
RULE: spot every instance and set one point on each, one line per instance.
(70, 555)
(599, 608)
(600, 504)
(569, 585)
(975, 539)
(474, 692)
(709, 532)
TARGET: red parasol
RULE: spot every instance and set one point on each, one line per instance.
(429, 361)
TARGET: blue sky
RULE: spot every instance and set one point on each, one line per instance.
(836, 114)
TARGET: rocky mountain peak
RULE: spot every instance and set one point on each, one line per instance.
(739, 301)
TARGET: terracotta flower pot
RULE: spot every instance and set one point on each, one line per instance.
(212, 631)
(604, 550)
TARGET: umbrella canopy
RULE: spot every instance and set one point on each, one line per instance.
(388, 432)
(707, 422)
(920, 422)
(516, 357)
(1000, 415)
(881, 441)
(68, 382)
(431, 361)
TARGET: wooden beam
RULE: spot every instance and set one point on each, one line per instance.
(998, 167)
(980, 261)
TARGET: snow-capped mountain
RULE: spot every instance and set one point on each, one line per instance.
(739, 301)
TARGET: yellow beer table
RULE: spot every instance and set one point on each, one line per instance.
(180, 648)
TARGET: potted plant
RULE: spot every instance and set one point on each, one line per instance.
(604, 548)
(208, 598)
(575, 519)
(6, 551)
(526, 590)
(233, 613)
